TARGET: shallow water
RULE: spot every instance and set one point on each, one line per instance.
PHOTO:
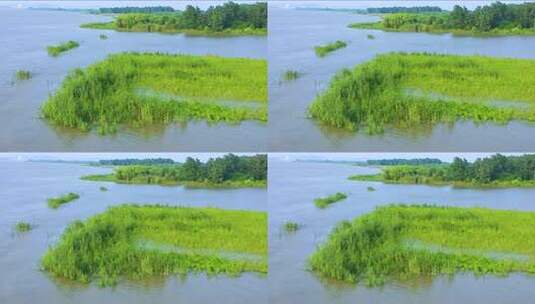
(293, 35)
(24, 35)
(24, 188)
(293, 187)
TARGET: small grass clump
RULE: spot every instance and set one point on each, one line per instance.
(370, 36)
(56, 202)
(370, 188)
(139, 90)
(290, 75)
(56, 50)
(21, 75)
(414, 242)
(406, 91)
(290, 226)
(103, 189)
(140, 242)
(103, 37)
(324, 50)
(324, 202)
(23, 227)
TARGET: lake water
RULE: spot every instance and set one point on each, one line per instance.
(24, 189)
(293, 34)
(294, 185)
(24, 35)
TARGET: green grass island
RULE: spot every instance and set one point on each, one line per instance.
(140, 242)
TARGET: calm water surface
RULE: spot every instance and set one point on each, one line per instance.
(25, 186)
(293, 35)
(24, 35)
(292, 189)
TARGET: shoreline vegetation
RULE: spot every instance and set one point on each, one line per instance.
(324, 202)
(138, 242)
(409, 90)
(142, 89)
(229, 19)
(497, 171)
(496, 19)
(229, 171)
(407, 243)
(56, 202)
(324, 50)
(56, 50)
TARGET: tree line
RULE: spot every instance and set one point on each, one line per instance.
(400, 161)
(400, 9)
(216, 18)
(134, 161)
(216, 170)
(134, 9)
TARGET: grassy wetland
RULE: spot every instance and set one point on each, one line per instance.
(56, 50)
(324, 50)
(411, 242)
(497, 171)
(229, 19)
(324, 202)
(140, 242)
(406, 90)
(229, 171)
(496, 19)
(57, 202)
(142, 89)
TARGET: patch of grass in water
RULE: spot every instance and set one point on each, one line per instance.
(56, 202)
(23, 227)
(324, 202)
(372, 249)
(291, 227)
(56, 50)
(290, 75)
(370, 36)
(370, 188)
(324, 50)
(103, 95)
(103, 189)
(21, 75)
(371, 97)
(103, 37)
(106, 246)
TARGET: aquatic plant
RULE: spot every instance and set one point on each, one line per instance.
(291, 226)
(420, 90)
(324, 50)
(370, 36)
(56, 50)
(370, 188)
(23, 227)
(413, 242)
(324, 202)
(23, 75)
(56, 202)
(137, 90)
(103, 37)
(102, 188)
(290, 75)
(140, 242)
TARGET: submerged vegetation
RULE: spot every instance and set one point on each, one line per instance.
(324, 50)
(227, 19)
(56, 202)
(23, 75)
(138, 90)
(103, 189)
(56, 50)
(420, 89)
(494, 19)
(23, 227)
(103, 37)
(291, 226)
(494, 171)
(229, 171)
(405, 243)
(290, 75)
(370, 188)
(324, 202)
(140, 242)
